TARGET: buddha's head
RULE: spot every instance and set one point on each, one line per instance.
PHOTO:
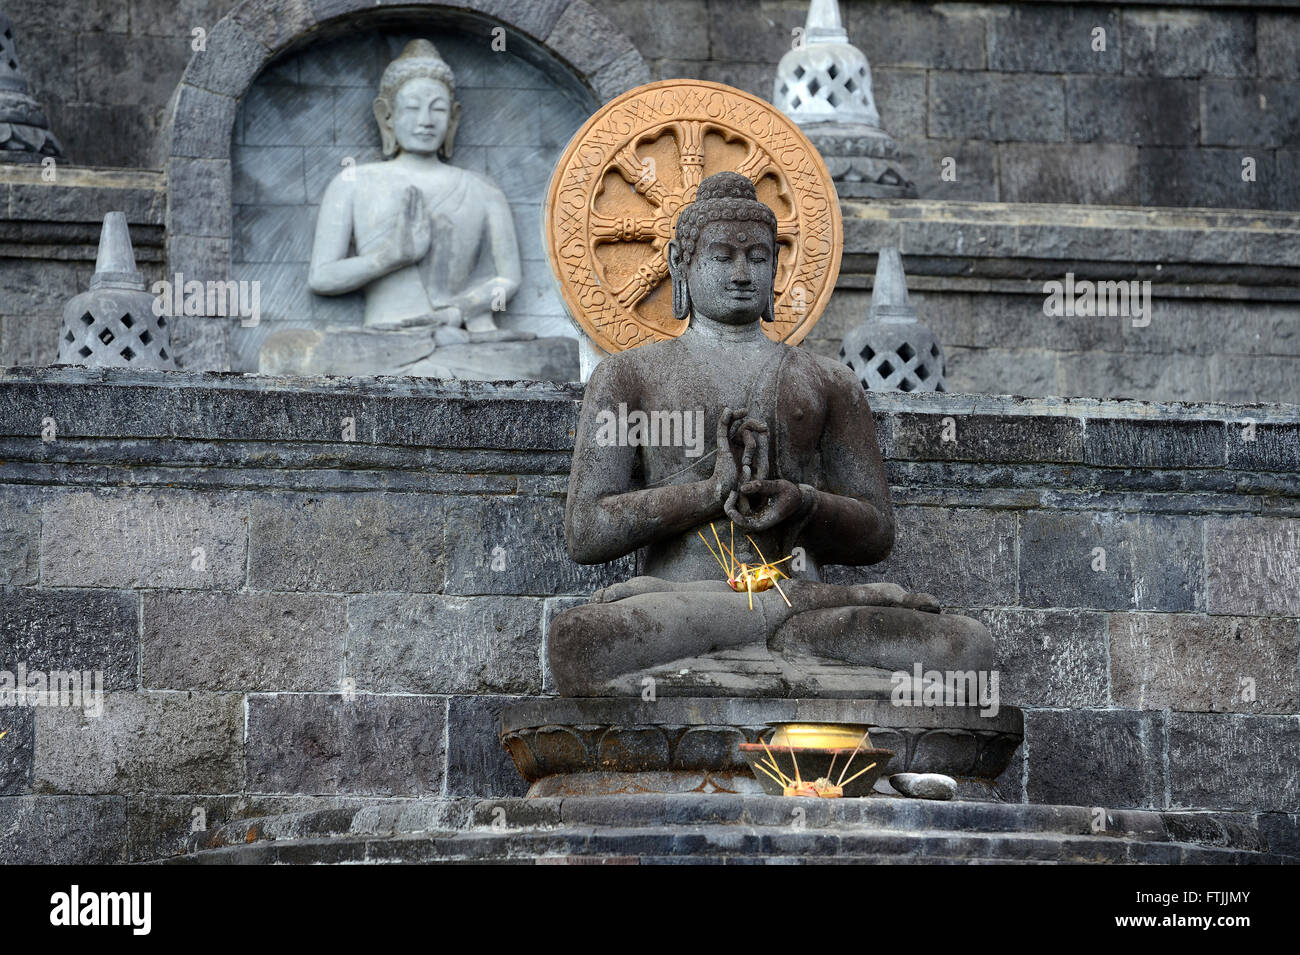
(416, 108)
(723, 256)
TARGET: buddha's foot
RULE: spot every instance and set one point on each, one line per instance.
(450, 335)
(636, 586)
(892, 595)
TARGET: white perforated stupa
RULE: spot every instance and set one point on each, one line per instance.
(826, 79)
(824, 85)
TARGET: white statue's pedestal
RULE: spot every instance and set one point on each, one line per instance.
(359, 351)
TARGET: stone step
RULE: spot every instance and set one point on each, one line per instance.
(723, 844)
(722, 828)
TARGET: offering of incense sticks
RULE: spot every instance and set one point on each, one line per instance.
(741, 577)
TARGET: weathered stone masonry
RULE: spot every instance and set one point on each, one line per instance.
(1015, 93)
(355, 630)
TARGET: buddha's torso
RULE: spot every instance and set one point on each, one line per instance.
(458, 202)
(691, 377)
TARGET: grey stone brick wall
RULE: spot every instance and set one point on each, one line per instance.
(1223, 323)
(364, 609)
(1014, 93)
(1018, 97)
(1000, 342)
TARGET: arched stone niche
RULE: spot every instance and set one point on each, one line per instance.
(265, 115)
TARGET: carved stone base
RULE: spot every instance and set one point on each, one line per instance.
(864, 161)
(663, 829)
(356, 351)
(631, 783)
(607, 746)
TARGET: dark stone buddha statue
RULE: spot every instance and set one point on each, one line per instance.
(791, 468)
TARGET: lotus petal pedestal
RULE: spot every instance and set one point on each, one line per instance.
(680, 744)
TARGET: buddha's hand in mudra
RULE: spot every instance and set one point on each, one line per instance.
(411, 235)
(742, 454)
(762, 505)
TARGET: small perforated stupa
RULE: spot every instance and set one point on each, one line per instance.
(824, 85)
(892, 350)
(113, 325)
(24, 130)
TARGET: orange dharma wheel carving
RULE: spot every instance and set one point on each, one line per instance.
(615, 195)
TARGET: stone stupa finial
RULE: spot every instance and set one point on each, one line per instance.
(823, 22)
(115, 260)
(24, 129)
(889, 292)
(113, 325)
(824, 85)
(891, 350)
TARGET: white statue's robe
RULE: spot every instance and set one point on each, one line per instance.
(473, 238)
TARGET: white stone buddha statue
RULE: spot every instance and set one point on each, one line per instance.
(432, 245)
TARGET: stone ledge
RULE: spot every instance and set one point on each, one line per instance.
(952, 244)
(167, 416)
(700, 828)
(61, 220)
(246, 431)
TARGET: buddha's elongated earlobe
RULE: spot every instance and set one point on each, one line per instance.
(681, 299)
(449, 138)
(384, 117)
(681, 293)
(769, 308)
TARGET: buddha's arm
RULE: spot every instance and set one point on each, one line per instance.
(504, 248)
(605, 516)
(852, 521)
(332, 271)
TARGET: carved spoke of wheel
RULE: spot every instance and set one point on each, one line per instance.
(629, 228)
(648, 276)
(690, 154)
(787, 230)
(641, 175)
(756, 165)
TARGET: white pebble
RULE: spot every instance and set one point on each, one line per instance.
(924, 785)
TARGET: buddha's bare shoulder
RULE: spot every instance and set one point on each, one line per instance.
(361, 178)
(632, 359)
(832, 377)
(650, 361)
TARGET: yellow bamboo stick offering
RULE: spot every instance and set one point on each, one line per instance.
(773, 759)
(780, 780)
(856, 775)
(741, 577)
(857, 749)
